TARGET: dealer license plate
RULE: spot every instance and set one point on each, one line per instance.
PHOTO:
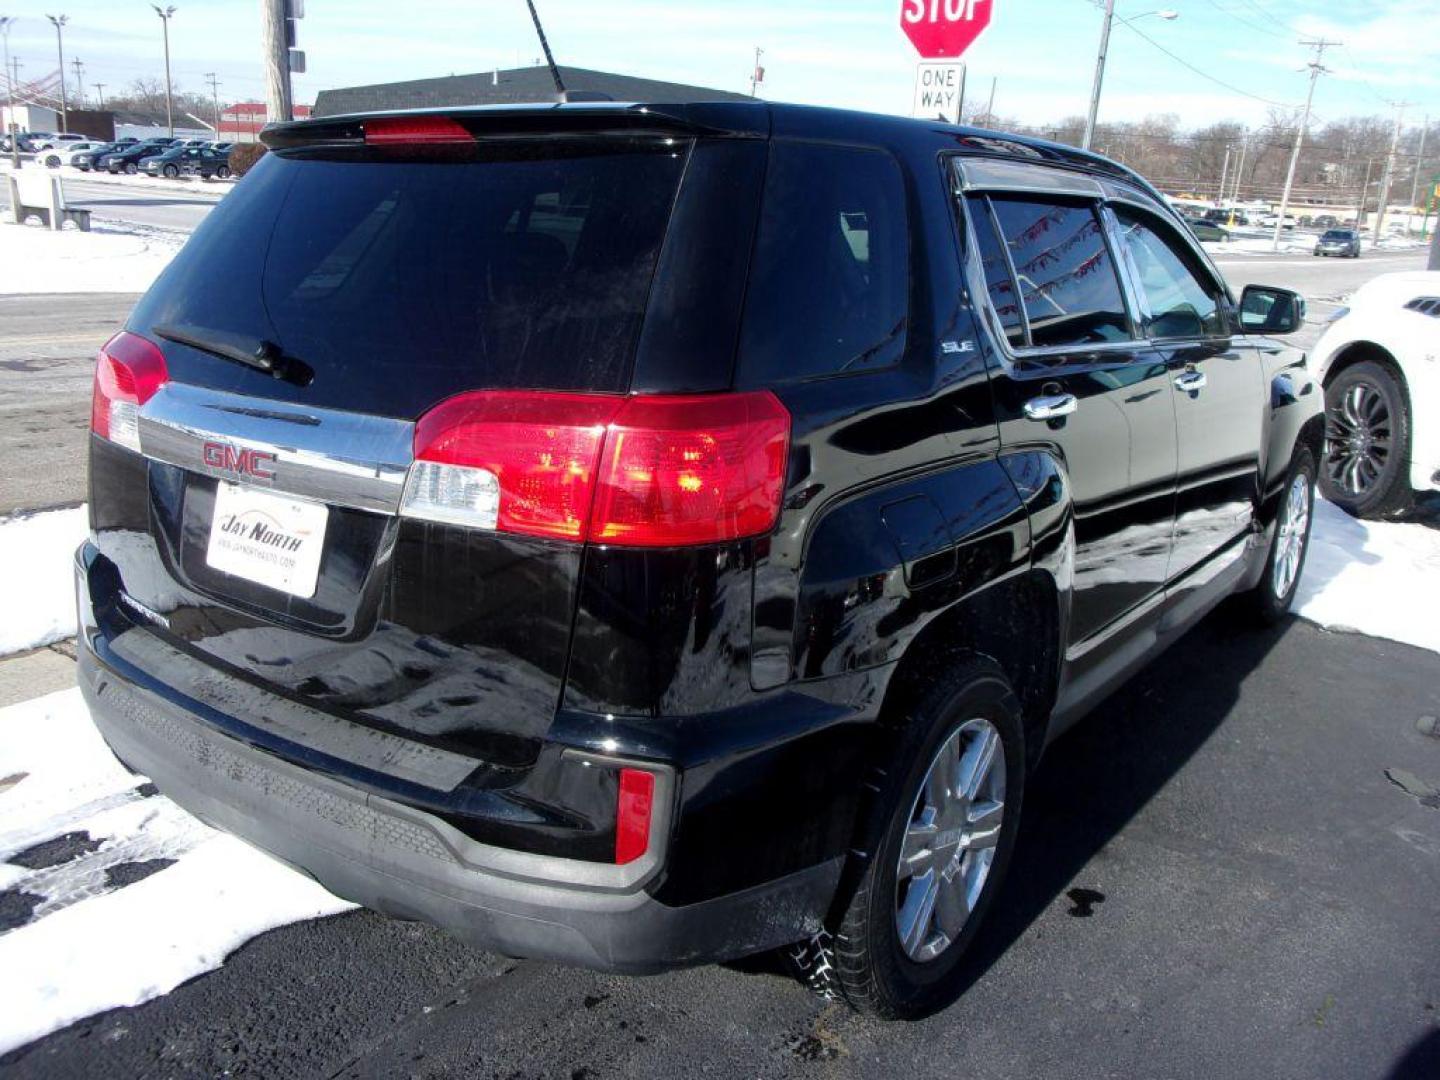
(268, 539)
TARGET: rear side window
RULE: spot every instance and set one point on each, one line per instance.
(1004, 297)
(403, 278)
(1063, 270)
(829, 284)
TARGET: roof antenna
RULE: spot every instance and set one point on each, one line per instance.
(549, 59)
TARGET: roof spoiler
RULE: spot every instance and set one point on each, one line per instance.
(543, 120)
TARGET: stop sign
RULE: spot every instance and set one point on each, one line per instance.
(943, 29)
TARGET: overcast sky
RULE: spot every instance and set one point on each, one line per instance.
(834, 52)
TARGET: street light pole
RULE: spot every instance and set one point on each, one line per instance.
(60, 49)
(1168, 16)
(7, 21)
(165, 14)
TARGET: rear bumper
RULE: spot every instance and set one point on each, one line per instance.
(411, 864)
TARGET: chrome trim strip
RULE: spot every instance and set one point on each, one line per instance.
(341, 458)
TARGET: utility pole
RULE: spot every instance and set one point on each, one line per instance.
(1389, 170)
(757, 73)
(165, 16)
(215, 96)
(990, 105)
(1419, 164)
(1364, 191)
(100, 93)
(79, 66)
(59, 24)
(1316, 70)
(1099, 75)
(7, 21)
(276, 61)
(1224, 175)
(1240, 170)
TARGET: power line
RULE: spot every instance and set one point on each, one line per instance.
(1229, 14)
(1265, 12)
(1205, 74)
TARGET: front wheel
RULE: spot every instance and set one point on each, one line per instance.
(171, 171)
(223, 172)
(1367, 442)
(937, 843)
(131, 169)
(1271, 599)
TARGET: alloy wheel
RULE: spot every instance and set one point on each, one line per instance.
(1359, 436)
(950, 840)
(1290, 541)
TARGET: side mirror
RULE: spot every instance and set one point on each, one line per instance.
(1265, 309)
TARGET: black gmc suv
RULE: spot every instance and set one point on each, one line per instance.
(647, 535)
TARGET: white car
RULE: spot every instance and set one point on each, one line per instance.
(64, 153)
(56, 142)
(1379, 362)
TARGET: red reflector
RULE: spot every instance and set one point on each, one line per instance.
(416, 129)
(692, 470)
(646, 471)
(633, 808)
(128, 372)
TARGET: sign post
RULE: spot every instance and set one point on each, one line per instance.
(941, 30)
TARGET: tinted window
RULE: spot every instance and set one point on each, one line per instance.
(1004, 300)
(404, 279)
(1338, 234)
(830, 279)
(1065, 273)
(1178, 304)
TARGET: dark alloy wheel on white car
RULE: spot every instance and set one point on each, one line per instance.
(1367, 440)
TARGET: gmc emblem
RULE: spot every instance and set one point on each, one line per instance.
(240, 460)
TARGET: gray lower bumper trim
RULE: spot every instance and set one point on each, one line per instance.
(410, 865)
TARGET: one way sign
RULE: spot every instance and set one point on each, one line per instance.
(939, 87)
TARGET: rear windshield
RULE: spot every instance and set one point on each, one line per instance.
(402, 280)
(1338, 234)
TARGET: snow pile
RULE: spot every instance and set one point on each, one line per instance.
(38, 581)
(91, 944)
(109, 258)
(1380, 578)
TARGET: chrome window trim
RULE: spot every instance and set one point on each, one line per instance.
(344, 459)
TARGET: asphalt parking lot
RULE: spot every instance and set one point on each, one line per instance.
(1230, 869)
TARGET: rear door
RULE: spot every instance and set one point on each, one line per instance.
(378, 282)
(1184, 311)
(1073, 379)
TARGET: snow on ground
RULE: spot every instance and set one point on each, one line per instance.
(93, 942)
(109, 258)
(37, 581)
(1380, 578)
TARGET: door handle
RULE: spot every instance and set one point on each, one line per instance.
(1050, 406)
(1190, 381)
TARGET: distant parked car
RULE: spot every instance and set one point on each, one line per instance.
(128, 159)
(52, 142)
(1326, 221)
(64, 154)
(1377, 362)
(223, 147)
(1344, 242)
(1206, 230)
(189, 161)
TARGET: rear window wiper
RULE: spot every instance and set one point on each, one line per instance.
(258, 353)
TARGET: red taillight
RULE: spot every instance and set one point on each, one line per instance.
(691, 470)
(128, 372)
(633, 808)
(647, 471)
(391, 130)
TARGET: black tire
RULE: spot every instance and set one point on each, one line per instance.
(223, 172)
(863, 961)
(1268, 601)
(1366, 470)
(131, 168)
(52, 162)
(171, 172)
